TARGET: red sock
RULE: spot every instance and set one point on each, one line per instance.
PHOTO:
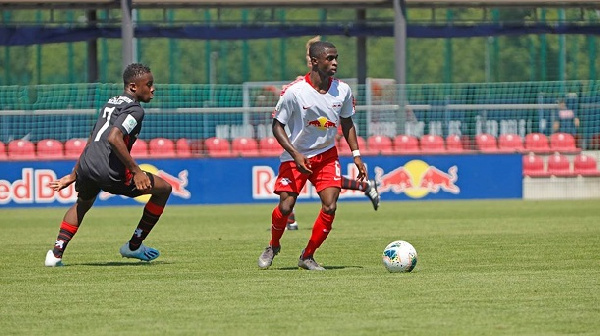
(65, 234)
(278, 227)
(319, 233)
(349, 184)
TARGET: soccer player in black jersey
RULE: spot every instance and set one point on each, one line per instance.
(106, 164)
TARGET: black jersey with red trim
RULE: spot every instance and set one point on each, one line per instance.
(98, 161)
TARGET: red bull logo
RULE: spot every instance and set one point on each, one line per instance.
(178, 183)
(416, 179)
(322, 123)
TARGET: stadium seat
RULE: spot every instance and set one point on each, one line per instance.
(49, 149)
(432, 144)
(454, 144)
(510, 143)
(217, 147)
(585, 165)
(344, 149)
(406, 144)
(537, 143)
(380, 145)
(21, 150)
(533, 166)
(563, 143)
(559, 165)
(2, 151)
(74, 147)
(486, 143)
(183, 148)
(161, 148)
(139, 149)
(269, 147)
(244, 146)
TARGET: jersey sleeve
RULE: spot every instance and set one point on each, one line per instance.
(348, 106)
(284, 108)
(129, 119)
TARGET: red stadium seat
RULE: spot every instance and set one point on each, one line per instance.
(2, 151)
(432, 144)
(510, 143)
(74, 148)
(21, 150)
(564, 143)
(161, 148)
(139, 149)
(269, 147)
(49, 149)
(559, 165)
(244, 146)
(533, 166)
(380, 145)
(217, 147)
(585, 165)
(486, 143)
(406, 144)
(344, 149)
(537, 143)
(454, 144)
(183, 148)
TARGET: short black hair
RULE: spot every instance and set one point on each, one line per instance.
(318, 48)
(133, 71)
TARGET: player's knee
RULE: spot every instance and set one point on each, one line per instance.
(168, 189)
(329, 208)
(285, 209)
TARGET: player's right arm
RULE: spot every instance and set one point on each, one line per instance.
(302, 162)
(67, 180)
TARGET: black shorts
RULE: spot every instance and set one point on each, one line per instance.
(88, 189)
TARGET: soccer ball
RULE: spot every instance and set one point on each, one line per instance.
(399, 256)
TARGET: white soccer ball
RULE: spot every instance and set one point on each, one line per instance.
(399, 256)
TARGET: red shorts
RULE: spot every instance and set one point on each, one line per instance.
(326, 173)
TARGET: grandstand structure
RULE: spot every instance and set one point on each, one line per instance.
(399, 25)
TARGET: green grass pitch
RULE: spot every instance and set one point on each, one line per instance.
(484, 268)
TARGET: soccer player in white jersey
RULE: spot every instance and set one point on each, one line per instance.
(369, 187)
(312, 108)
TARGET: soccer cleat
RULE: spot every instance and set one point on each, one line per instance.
(309, 263)
(52, 261)
(143, 253)
(266, 258)
(373, 194)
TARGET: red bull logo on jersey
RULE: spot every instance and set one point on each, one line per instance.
(322, 123)
(417, 179)
(178, 183)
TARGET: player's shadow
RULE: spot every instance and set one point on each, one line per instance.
(326, 268)
(122, 263)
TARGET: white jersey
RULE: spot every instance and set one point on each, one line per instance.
(312, 118)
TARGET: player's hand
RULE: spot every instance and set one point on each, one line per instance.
(63, 182)
(303, 164)
(142, 181)
(362, 170)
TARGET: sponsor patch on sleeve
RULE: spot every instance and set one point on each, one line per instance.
(129, 123)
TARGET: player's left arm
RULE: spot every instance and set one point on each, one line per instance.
(349, 132)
